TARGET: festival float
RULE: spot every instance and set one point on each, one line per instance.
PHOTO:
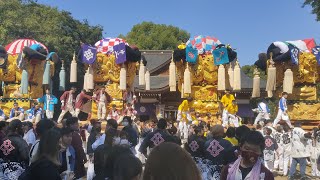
(293, 67)
(26, 66)
(204, 68)
(112, 64)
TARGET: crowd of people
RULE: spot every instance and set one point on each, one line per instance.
(154, 150)
(192, 147)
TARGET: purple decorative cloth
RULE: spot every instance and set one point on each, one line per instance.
(120, 53)
(89, 54)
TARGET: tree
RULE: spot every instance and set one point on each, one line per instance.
(150, 36)
(315, 4)
(58, 30)
(248, 70)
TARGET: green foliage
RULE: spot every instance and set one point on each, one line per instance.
(315, 4)
(248, 70)
(58, 30)
(150, 36)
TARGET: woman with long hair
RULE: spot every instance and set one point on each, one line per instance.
(46, 164)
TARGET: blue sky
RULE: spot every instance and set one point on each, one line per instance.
(250, 26)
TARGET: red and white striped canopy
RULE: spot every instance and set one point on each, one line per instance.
(17, 46)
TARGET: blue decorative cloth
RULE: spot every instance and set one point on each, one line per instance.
(88, 54)
(220, 56)
(120, 53)
(316, 52)
(191, 54)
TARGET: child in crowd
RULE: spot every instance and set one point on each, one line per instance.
(270, 149)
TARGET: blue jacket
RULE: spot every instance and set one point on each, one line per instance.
(32, 113)
(283, 104)
(52, 102)
(72, 159)
(12, 112)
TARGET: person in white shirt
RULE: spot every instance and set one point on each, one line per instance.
(29, 135)
(286, 146)
(111, 123)
(299, 151)
(282, 112)
(278, 162)
(68, 100)
(263, 111)
(102, 98)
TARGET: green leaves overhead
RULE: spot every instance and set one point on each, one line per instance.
(150, 36)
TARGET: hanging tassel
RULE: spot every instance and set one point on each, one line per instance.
(73, 70)
(142, 71)
(172, 76)
(62, 76)
(46, 74)
(221, 78)
(123, 78)
(90, 82)
(270, 94)
(237, 77)
(230, 75)
(288, 81)
(182, 90)
(24, 82)
(147, 80)
(256, 84)
(187, 80)
(272, 74)
(85, 81)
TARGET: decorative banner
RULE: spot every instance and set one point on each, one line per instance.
(316, 53)
(88, 54)
(220, 56)
(192, 54)
(294, 53)
(120, 53)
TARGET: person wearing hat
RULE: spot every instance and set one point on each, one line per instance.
(16, 113)
(35, 114)
(226, 101)
(102, 98)
(113, 113)
(48, 101)
(29, 135)
(67, 99)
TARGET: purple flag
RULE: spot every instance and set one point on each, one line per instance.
(120, 53)
(89, 54)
